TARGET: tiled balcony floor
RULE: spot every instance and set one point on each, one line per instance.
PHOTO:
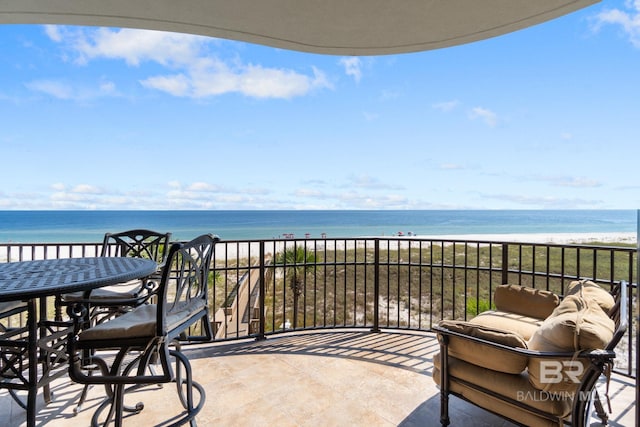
(342, 378)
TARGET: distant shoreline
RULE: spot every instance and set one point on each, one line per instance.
(557, 238)
(36, 251)
(90, 226)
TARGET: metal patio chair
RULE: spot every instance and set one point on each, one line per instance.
(26, 343)
(16, 319)
(123, 347)
(105, 303)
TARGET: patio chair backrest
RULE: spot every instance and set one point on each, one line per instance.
(138, 244)
(184, 285)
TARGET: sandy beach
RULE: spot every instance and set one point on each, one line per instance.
(247, 250)
(28, 251)
(556, 238)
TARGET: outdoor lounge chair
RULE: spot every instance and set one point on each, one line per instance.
(123, 347)
(536, 359)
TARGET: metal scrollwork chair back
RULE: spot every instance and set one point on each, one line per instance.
(105, 303)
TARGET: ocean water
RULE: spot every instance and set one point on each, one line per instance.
(90, 226)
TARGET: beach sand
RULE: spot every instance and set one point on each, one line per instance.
(231, 250)
(555, 238)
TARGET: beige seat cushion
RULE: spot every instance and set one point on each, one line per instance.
(557, 375)
(128, 290)
(485, 355)
(591, 290)
(139, 323)
(526, 301)
(518, 324)
(516, 387)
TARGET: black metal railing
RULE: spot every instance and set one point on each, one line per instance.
(392, 283)
(265, 287)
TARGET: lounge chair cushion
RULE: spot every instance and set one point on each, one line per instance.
(516, 387)
(484, 355)
(591, 290)
(577, 324)
(526, 301)
(559, 376)
(518, 324)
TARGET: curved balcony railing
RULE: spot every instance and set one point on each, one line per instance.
(265, 287)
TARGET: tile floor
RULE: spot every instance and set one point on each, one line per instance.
(335, 378)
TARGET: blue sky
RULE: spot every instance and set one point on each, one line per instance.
(105, 118)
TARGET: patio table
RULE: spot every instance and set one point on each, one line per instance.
(33, 281)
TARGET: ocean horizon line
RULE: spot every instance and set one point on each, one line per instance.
(89, 226)
(41, 250)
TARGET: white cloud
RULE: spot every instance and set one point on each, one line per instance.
(488, 116)
(308, 192)
(195, 71)
(86, 189)
(446, 106)
(53, 88)
(136, 46)
(53, 32)
(176, 85)
(576, 182)
(565, 181)
(369, 182)
(352, 67)
(203, 187)
(548, 202)
(628, 20)
(58, 186)
(266, 83)
(64, 90)
(366, 201)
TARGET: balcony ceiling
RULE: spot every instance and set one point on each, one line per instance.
(337, 27)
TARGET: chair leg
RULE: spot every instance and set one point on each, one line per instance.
(83, 397)
(185, 388)
(444, 382)
(31, 405)
(206, 332)
(119, 402)
(33, 364)
(117, 408)
(85, 390)
(602, 414)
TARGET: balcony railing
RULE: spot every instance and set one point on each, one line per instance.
(265, 287)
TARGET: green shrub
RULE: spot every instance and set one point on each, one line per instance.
(477, 306)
